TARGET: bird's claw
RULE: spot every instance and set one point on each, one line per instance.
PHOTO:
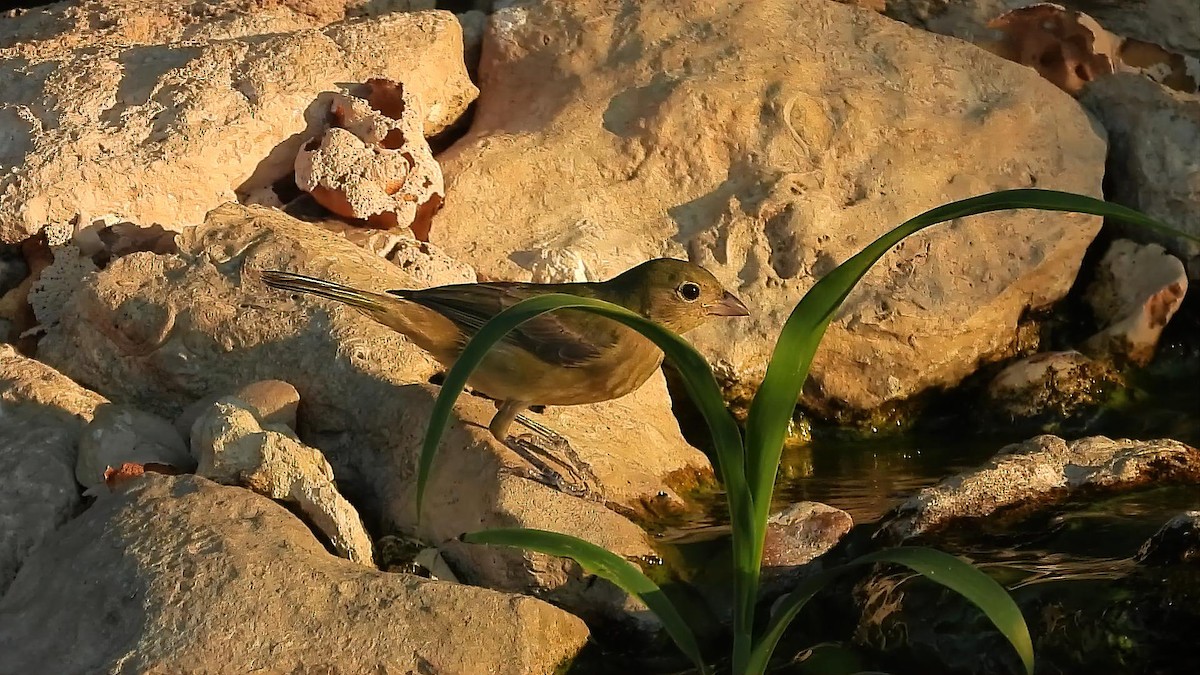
(575, 478)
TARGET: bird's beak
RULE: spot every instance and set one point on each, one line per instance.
(728, 305)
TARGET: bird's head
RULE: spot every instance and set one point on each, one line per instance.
(675, 293)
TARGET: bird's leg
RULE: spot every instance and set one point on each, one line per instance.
(536, 454)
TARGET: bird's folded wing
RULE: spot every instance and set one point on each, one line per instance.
(563, 338)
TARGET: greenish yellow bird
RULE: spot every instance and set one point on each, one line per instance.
(564, 357)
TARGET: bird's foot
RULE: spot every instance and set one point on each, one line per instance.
(554, 462)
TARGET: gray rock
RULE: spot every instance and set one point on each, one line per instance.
(1136, 292)
(1173, 24)
(709, 131)
(1044, 468)
(42, 415)
(121, 433)
(1152, 167)
(178, 574)
(1178, 541)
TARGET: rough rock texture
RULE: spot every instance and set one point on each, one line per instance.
(42, 414)
(236, 448)
(1040, 469)
(374, 164)
(183, 575)
(1172, 24)
(1152, 166)
(51, 31)
(272, 402)
(164, 331)
(161, 134)
(739, 136)
(798, 535)
(1136, 292)
(55, 284)
(118, 434)
(1178, 541)
(1051, 386)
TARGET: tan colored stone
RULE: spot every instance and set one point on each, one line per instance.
(166, 330)
(163, 133)
(49, 32)
(234, 447)
(178, 574)
(1136, 292)
(119, 434)
(42, 414)
(737, 136)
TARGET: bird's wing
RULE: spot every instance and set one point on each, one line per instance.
(562, 338)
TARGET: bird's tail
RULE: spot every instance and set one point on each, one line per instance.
(373, 303)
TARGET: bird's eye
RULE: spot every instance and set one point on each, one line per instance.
(689, 291)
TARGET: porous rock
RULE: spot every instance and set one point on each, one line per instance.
(1050, 386)
(234, 447)
(1041, 469)
(708, 131)
(374, 164)
(162, 331)
(163, 133)
(42, 414)
(1136, 292)
(190, 576)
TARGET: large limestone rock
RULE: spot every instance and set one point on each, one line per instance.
(1044, 468)
(771, 140)
(165, 330)
(179, 574)
(42, 415)
(161, 133)
(1152, 165)
(50, 31)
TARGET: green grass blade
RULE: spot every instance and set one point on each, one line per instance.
(953, 573)
(775, 401)
(606, 565)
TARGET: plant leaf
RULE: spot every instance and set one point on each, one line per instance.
(701, 387)
(606, 565)
(775, 401)
(952, 572)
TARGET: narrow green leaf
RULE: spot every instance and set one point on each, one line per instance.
(694, 369)
(953, 573)
(775, 402)
(701, 387)
(605, 565)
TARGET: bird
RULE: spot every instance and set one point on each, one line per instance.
(563, 357)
